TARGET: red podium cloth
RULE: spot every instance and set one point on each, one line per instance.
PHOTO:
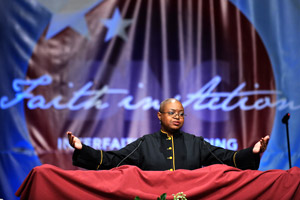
(126, 182)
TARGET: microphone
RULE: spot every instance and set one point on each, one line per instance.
(286, 118)
(220, 161)
(142, 140)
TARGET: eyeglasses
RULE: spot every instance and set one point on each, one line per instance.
(174, 114)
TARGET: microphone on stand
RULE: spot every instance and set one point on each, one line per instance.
(285, 120)
(220, 161)
(142, 140)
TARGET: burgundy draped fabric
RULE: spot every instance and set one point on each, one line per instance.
(126, 182)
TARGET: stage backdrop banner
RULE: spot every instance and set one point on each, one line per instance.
(100, 68)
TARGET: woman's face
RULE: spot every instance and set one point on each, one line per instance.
(171, 116)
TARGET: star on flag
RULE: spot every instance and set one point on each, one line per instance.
(116, 26)
(68, 13)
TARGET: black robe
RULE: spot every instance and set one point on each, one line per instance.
(158, 152)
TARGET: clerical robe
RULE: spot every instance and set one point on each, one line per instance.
(159, 151)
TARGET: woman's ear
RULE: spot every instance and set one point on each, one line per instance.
(159, 115)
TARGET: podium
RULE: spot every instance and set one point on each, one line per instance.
(127, 182)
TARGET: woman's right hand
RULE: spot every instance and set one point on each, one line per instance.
(74, 141)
